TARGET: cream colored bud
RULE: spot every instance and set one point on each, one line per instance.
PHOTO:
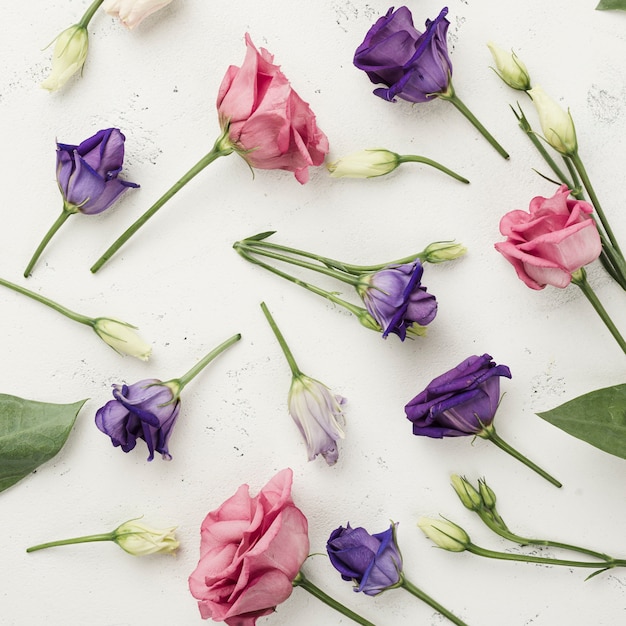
(122, 337)
(441, 251)
(557, 125)
(70, 52)
(467, 493)
(445, 534)
(138, 539)
(509, 68)
(364, 164)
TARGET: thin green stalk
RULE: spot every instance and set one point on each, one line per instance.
(221, 148)
(358, 311)
(507, 534)
(77, 317)
(576, 190)
(580, 168)
(418, 593)
(579, 277)
(67, 542)
(528, 558)
(295, 370)
(185, 379)
(489, 432)
(307, 585)
(413, 158)
(89, 13)
(46, 240)
(451, 96)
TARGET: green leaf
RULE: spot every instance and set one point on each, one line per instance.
(598, 417)
(31, 433)
(607, 5)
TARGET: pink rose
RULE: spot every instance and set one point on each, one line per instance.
(557, 237)
(132, 12)
(251, 550)
(268, 123)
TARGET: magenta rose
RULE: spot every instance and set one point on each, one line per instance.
(552, 240)
(268, 123)
(251, 550)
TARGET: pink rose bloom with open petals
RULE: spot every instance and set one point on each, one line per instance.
(550, 242)
(268, 123)
(251, 550)
(132, 12)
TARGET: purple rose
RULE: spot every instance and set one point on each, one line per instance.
(146, 410)
(395, 298)
(415, 66)
(373, 562)
(460, 402)
(87, 173)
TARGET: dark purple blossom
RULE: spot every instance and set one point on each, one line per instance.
(87, 174)
(414, 66)
(146, 410)
(373, 562)
(460, 402)
(396, 299)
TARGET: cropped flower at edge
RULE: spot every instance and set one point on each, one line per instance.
(132, 12)
(88, 179)
(149, 409)
(373, 562)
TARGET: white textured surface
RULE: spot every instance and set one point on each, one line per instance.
(181, 282)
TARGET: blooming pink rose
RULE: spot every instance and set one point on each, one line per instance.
(268, 123)
(251, 550)
(132, 12)
(557, 237)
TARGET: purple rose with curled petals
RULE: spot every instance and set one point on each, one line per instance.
(414, 66)
(146, 410)
(87, 174)
(396, 299)
(460, 402)
(373, 562)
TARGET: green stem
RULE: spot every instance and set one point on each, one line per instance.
(527, 558)
(451, 96)
(46, 240)
(332, 263)
(418, 593)
(67, 542)
(576, 190)
(579, 277)
(295, 370)
(185, 379)
(507, 534)
(301, 581)
(413, 158)
(77, 317)
(356, 310)
(89, 13)
(221, 148)
(578, 164)
(328, 271)
(489, 432)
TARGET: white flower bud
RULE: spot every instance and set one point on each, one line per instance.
(70, 52)
(364, 164)
(122, 337)
(509, 68)
(557, 124)
(138, 539)
(445, 534)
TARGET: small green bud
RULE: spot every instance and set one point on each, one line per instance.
(509, 68)
(440, 251)
(557, 125)
(444, 533)
(364, 164)
(487, 494)
(367, 320)
(468, 495)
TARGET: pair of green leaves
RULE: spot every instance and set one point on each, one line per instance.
(598, 417)
(607, 5)
(31, 433)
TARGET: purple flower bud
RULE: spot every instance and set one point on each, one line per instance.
(87, 173)
(146, 410)
(373, 562)
(415, 66)
(460, 402)
(396, 299)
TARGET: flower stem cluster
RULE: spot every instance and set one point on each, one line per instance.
(394, 298)
(482, 501)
